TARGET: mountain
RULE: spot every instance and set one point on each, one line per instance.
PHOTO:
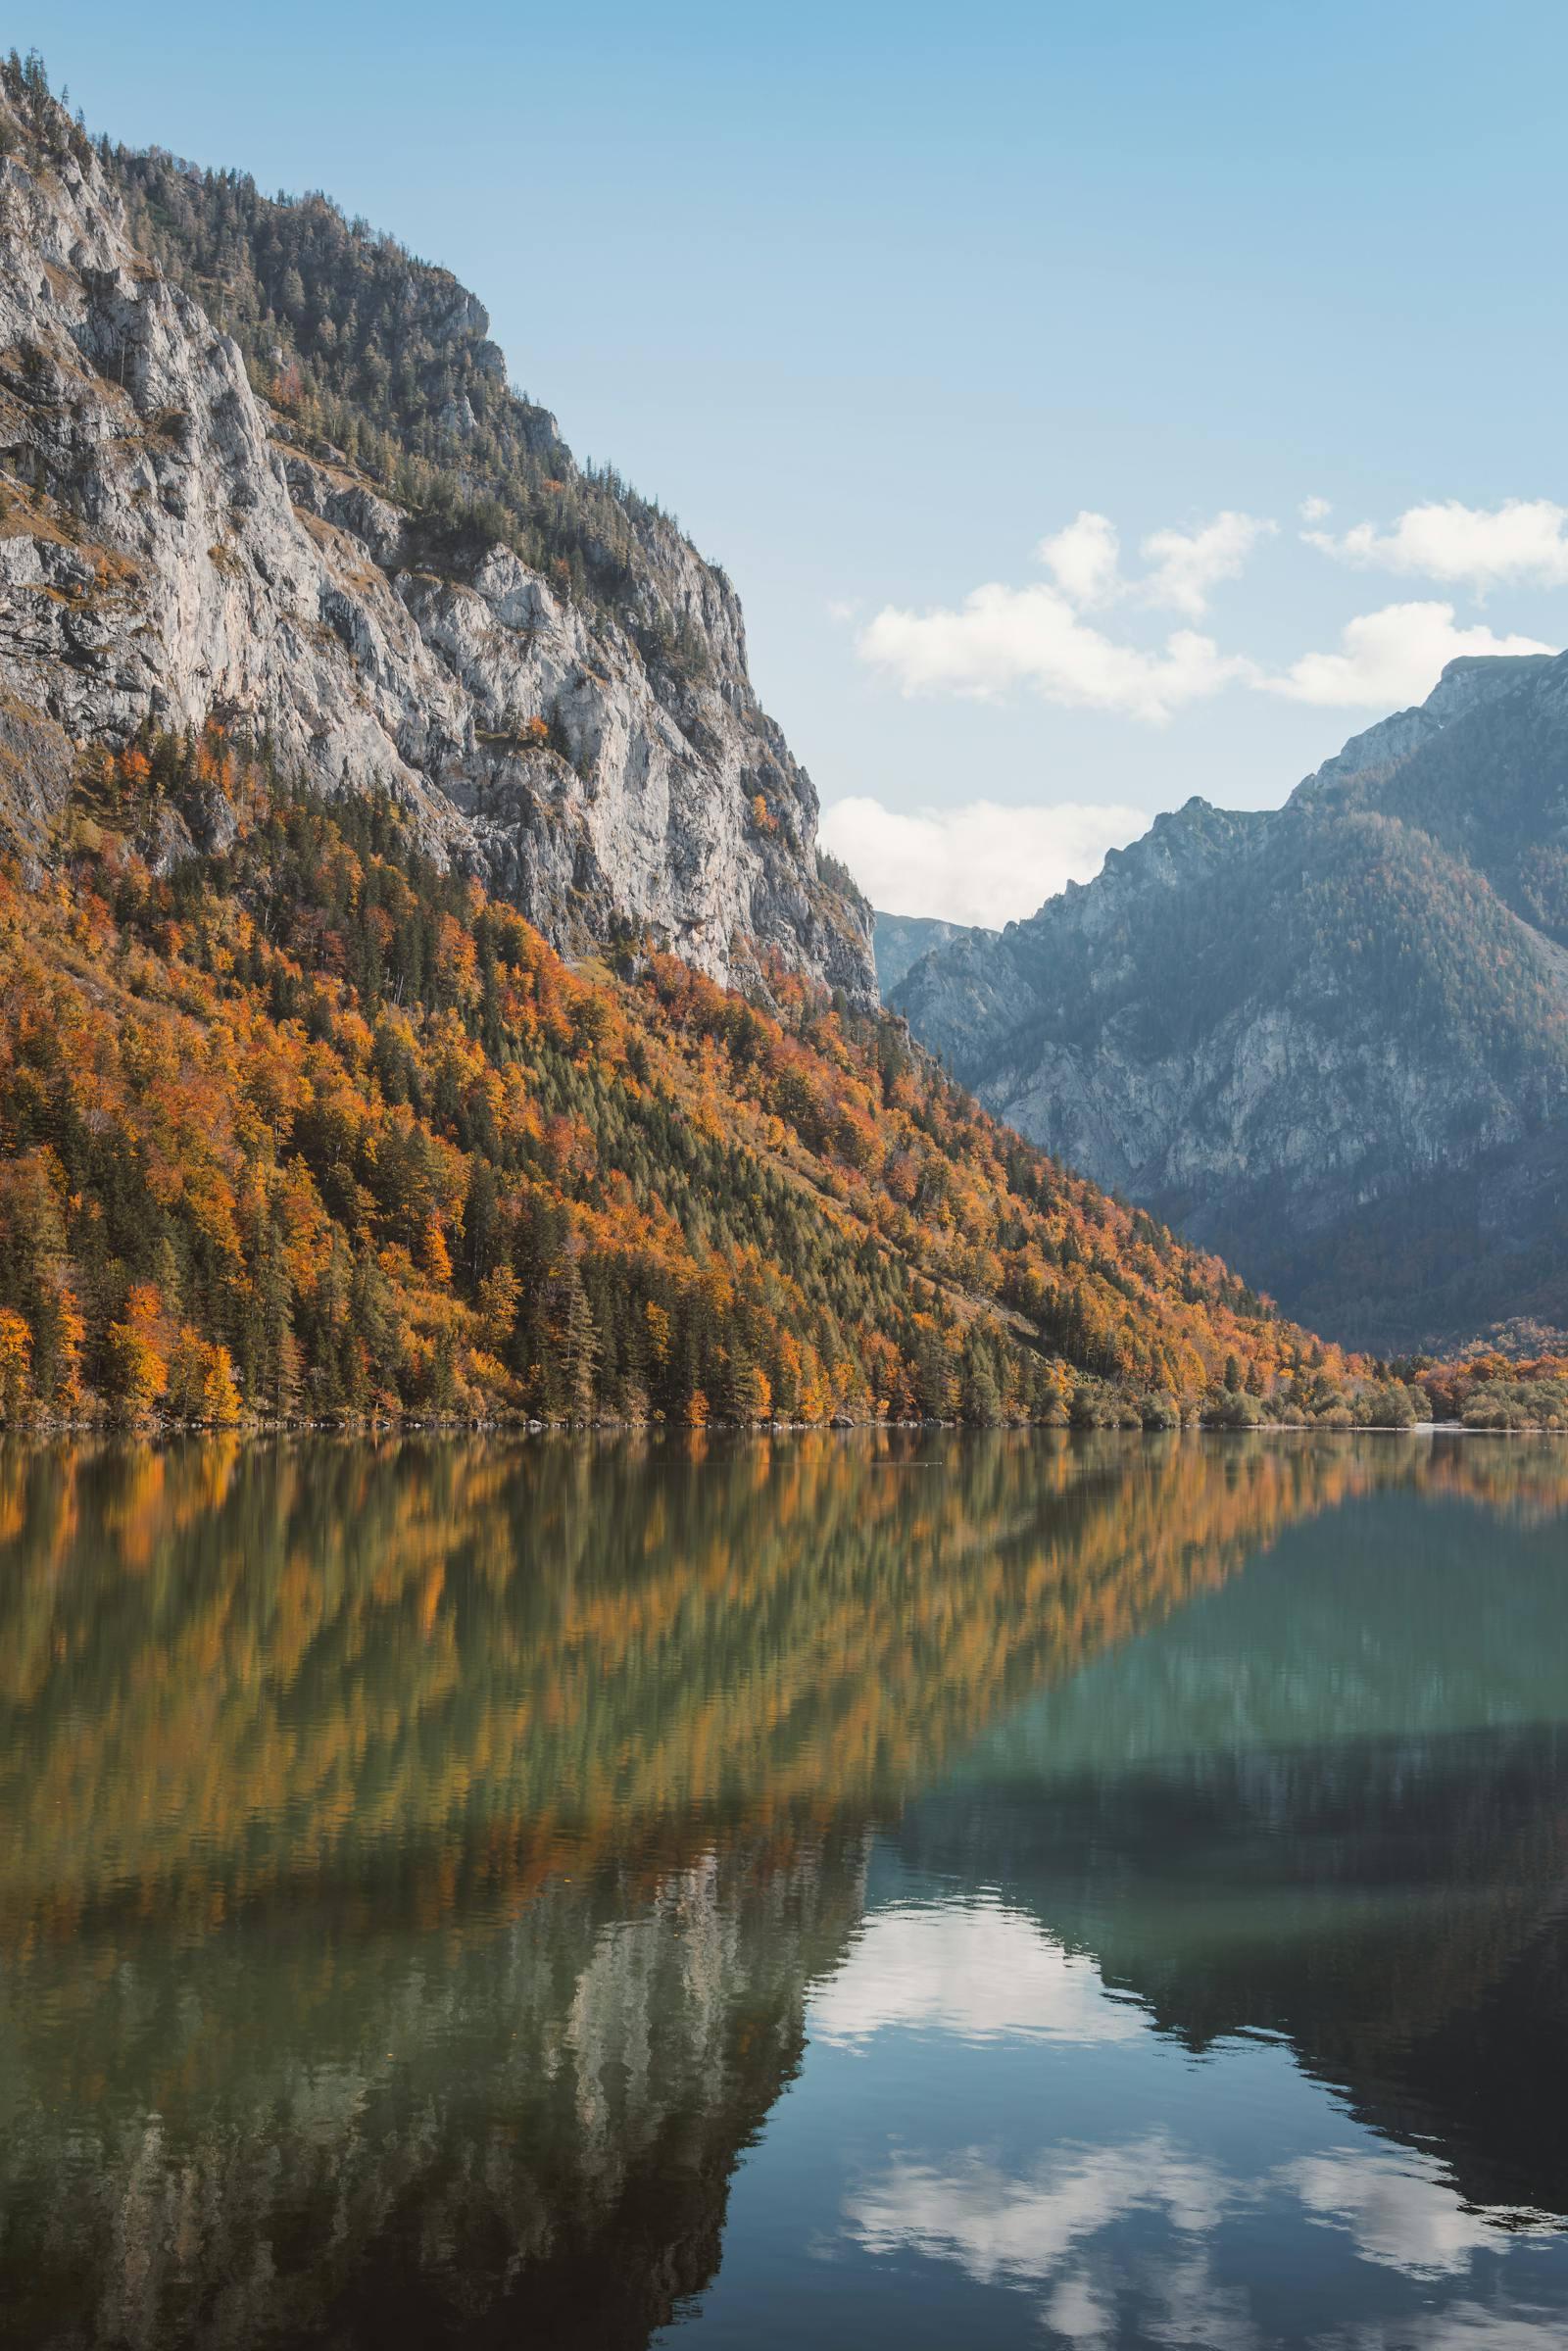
(1329, 1041)
(263, 466)
(899, 941)
(302, 1122)
(422, 989)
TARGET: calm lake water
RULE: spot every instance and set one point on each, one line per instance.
(838, 1890)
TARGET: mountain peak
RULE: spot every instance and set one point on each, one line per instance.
(1469, 683)
(1329, 1040)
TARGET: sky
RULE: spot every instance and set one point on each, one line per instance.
(1093, 405)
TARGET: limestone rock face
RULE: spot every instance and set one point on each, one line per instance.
(1329, 1041)
(172, 549)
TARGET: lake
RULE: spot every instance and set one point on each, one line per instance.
(839, 1889)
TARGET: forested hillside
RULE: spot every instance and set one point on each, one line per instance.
(301, 1123)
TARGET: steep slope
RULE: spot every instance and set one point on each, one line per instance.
(303, 1123)
(428, 597)
(1329, 1041)
(899, 941)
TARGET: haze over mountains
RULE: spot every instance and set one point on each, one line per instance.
(1331, 1040)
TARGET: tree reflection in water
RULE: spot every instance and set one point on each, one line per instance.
(419, 1856)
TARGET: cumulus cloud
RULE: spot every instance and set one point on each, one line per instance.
(1185, 567)
(1076, 2311)
(1037, 637)
(1052, 639)
(1004, 637)
(1058, 2226)
(1189, 565)
(979, 864)
(1524, 542)
(999, 2225)
(1085, 560)
(1403, 2211)
(1390, 658)
(977, 1970)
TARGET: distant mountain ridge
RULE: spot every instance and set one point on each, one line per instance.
(899, 941)
(1329, 1040)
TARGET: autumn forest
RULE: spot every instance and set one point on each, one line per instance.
(301, 1125)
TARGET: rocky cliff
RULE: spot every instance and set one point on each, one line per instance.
(423, 595)
(1330, 1039)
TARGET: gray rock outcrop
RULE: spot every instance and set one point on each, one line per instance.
(173, 550)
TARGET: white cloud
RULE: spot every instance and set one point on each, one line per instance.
(1189, 565)
(1003, 637)
(843, 608)
(1186, 565)
(1000, 2225)
(1036, 637)
(1085, 560)
(1076, 2311)
(1522, 542)
(1055, 2225)
(977, 1970)
(979, 864)
(1052, 2229)
(1403, 2211)
(1390, 658)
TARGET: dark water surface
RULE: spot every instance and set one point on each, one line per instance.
(828, 1891)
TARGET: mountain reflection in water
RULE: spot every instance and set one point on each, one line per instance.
(427, 1865)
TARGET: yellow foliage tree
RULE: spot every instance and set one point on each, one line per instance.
(16, 1364)
(435, 1255)
(220, 1398)
(137, 1373)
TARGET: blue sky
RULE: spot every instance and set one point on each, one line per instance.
(880, 299)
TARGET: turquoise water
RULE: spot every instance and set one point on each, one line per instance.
(837, 1891)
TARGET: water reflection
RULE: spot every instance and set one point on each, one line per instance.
(1331, 1806)
(427, 1864)
(980, 1970)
